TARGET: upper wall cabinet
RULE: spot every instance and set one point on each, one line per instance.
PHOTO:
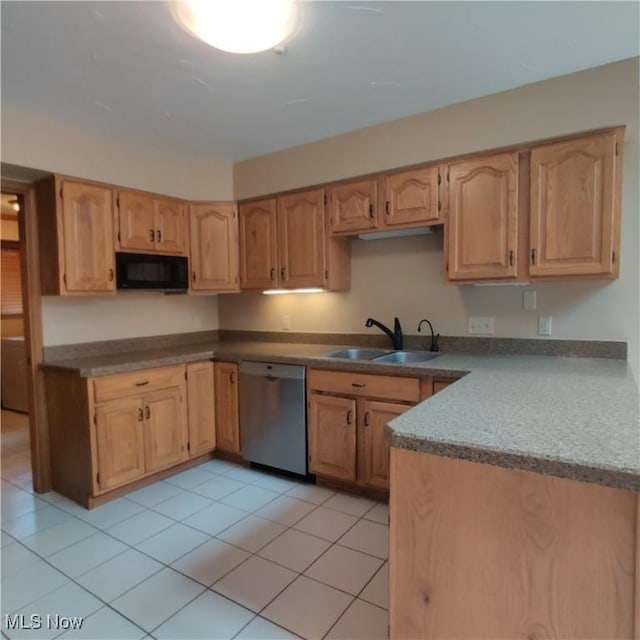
(575, 207)
(284, 243)
(148, 224)
(214, 247)
(483, 217)
(411, 198)
(75, 227)
(353, 206)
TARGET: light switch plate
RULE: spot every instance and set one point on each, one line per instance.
(286, 323)
(529, 300)
(481, 325)
(544, 325)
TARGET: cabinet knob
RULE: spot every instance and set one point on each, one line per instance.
(366, 419)
(358, 385)
(283, 274)
(533, 256)
(143, 383)
(147, 412)
(140, 416)
(511, 258)
(349, 416)
(193, 277)
(232, 377)
(110, 275)
(159, 235)
(371, 210)
(387, 208)
(272, 273)
(152, 235)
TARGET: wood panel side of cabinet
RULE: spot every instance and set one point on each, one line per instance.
(521, 554)
(71, 434)
(331, 425)
(258, 245)
(201, 408)
(50, 236)
(301, 239)
(575, 207)
(214, 247)
(135, 222)
(483, 218)
(227, 410)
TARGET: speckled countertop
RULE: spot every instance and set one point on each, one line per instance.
(576, 418)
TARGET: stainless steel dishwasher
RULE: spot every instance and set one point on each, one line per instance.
(273, 426)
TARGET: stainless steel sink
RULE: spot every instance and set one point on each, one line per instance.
(356, 354)
(406, 357)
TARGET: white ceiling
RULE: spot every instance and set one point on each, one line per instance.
(126, 69)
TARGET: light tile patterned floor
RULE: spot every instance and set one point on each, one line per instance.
(219, 551)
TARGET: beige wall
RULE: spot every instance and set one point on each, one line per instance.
(33, 141)
(405, 277)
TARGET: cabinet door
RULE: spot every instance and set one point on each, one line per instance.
(136, 228)
(373, 448)
(214, 247)
(201, 408)
(227, 419)
(411, 197)
(483, 198)
(170, 226)
(119, 442)
(87, 223)
(301, 239)
(258, 245)
(165, 428)
(353, 207)
(331, 426)
(575, 204)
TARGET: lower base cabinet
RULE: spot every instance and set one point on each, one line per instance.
(227, 411)
(110, 431)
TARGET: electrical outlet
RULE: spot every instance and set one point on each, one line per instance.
(481, 326)
(544, 326)
(286, 323)
(529, 300)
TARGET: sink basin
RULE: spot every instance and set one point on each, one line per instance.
(356, 354)
(406, 357)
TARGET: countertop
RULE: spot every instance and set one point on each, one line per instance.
(576, 418)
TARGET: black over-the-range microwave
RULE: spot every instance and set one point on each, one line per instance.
(146, 271)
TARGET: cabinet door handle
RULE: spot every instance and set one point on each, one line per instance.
(349, 416)
(387, 208)
(366, 419)
(159, 235)
(232, 377)
(371, 210)
(147, 412)
(283, 274)
(140, 416)
(152, 235)
(511, 258)
(533, 256)
(110, 275)
(272, 273)
(142, 384)
(194, 276)
(358, 385)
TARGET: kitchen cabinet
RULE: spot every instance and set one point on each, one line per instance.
(75, 227)
(483, 217)
(440, 384)
(521, 554)
(227, 411)
(575, 207)
(347, 414)
(107, 432)
(412, 198)
(284, 243)
(150, 224)
(353, 206)
(201, 403)
(214, 247)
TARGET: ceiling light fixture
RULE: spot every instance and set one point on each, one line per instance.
(238, 26)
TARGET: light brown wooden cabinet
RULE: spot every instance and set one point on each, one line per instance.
(482, 552)
(75, 227)
(214, 247)
(202, 408)
(150, 224)
(575, 207)
(483, 217)
(227, 410)
(107, 432)
(284, 243)
(347, 414)
(412, 198)
(353, 206)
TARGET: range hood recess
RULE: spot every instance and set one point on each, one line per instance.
(398, 233)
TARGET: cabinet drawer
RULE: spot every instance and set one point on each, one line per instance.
(364, 384)
(137, 382)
